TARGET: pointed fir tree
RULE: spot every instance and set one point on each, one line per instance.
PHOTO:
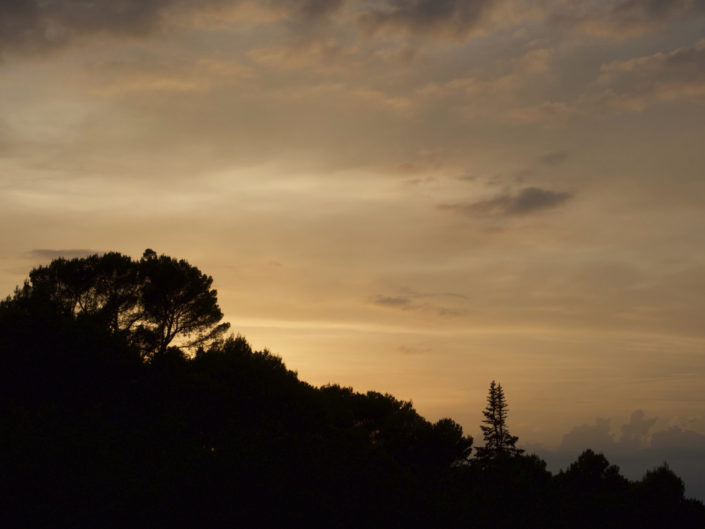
(498, 440)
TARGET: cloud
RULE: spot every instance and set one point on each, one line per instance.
(397, 302)
(498, 96)
(37, 26)
(636, 83)
(472, 86)
(535, 61)
(369, 97)
(596, 436)
(551, 112)
(154, 82)
(528, 200)
(675, 438)
(411, 300)
(410, 350)
(626, 18)
(452, 295)
(31, 25)
(456, 19)
(48, 254)
(312, 8)
(635, 431)
(321, 56)
(553, 158)
(378, 98)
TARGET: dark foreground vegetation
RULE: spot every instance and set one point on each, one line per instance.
(123, 406)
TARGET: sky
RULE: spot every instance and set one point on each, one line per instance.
(408, 196)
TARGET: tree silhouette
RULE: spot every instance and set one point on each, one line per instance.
(178, 303)
(154, 303)
(105, 287)
(498, 440)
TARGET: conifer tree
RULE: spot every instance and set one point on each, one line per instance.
(498, 440)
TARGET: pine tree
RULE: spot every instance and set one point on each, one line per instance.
(498, 440)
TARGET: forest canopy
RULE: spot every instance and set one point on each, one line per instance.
(123, 404)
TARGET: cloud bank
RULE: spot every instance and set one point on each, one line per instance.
(634, 451)
(41, 26)
(31, 25)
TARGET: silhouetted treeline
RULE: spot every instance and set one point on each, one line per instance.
(97, 433)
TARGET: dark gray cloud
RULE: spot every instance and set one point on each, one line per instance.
(676, 438)
(411, 300)
(656, 9)
(311, 8)
(595, 436)
(528, 200)
(447, 18)
(34, 25)
(394, 301)
(653, 9)
(469, 177)
(44, 25)
(553, 158)
(620, 19)
(47, 254)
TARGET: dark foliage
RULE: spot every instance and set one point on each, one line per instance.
(100, 429)
(153, 303)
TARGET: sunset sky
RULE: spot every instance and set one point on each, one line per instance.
(410, 196)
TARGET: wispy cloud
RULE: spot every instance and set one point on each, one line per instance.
(528, 200)
(636, 83)
(410, 300)
(396, 302)
(549, 112)
(553, 158)
(410, 350)
(619, 20)
(323, 56)
(152, 83)
(456, 19)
